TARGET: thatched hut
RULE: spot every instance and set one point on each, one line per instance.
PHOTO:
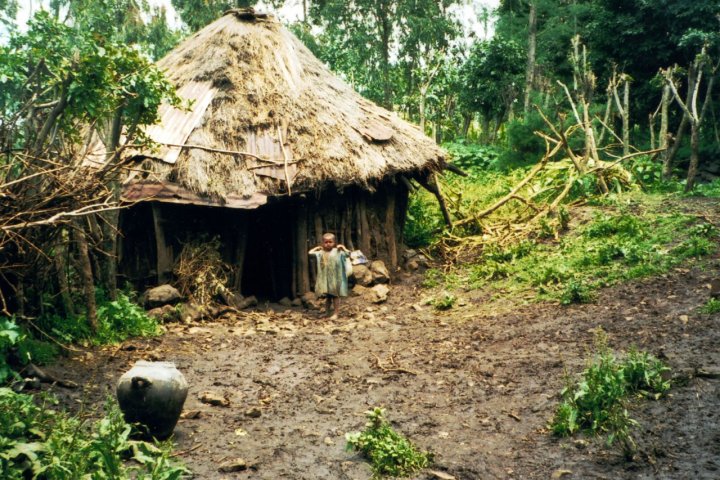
(273, 151)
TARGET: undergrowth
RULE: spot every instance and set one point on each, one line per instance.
(37, 441)
(389, 452)
(596, 403)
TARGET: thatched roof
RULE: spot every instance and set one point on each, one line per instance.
(254, 83)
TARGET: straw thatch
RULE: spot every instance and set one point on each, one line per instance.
(257, 89)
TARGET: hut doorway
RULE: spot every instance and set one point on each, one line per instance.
(267, 267)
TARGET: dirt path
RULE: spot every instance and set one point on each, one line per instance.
(475, 389)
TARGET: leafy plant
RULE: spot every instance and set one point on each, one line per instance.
(712, 306)
(445, 301)
(122, 318)
(389, 452)
(39, 442)
(10, 336)
(576, 291)
(596, 403)
(643, 372)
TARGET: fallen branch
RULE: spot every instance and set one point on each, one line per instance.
(392, 365)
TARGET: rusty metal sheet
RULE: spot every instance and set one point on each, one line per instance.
(173, 193)
(175, 124)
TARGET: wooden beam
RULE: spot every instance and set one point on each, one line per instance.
(165, 256)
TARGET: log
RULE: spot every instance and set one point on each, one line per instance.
(430, 184)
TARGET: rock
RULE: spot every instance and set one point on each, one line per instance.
(380, 273)
(715, 288)
(191, 312)
(215, 399)
(231, 299)
(379, 293)
(409, 253)
(297, 302)
(253, 412)
(363, 275)
(235, 465)
(308, 300)
(423, 261)
(166, 313)
(412, 266)
(359, 290)
(250, 301)
(285, 302)
(159, 296)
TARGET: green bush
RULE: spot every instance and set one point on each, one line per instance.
(712, 306)
(39, 442)
(596, 403)
(389, 452)
(122, 318)
(606, 226)
(10, 337)
(471, 156)
(576, 291)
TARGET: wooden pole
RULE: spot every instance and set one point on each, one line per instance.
(240, 248)
(390, 227)
(364, 233)
(86, 274)
(301, 260)
(164, 251)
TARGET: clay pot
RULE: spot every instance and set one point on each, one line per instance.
(152, 394)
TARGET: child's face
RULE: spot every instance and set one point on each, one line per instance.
(328, 243)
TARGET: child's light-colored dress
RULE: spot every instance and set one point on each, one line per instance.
(331, 275)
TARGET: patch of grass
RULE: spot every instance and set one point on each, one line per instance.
(597, 402)
(389, 452)
(712, 306)
(39, 442)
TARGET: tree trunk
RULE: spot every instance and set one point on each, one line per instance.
(664, 106)
(694, 158)
(61, 273)
(626, 118)
(670, 156)
(86, 275)
(530, 68)
(390, 228)
(467, 120)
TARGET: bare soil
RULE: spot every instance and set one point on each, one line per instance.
(475, 385)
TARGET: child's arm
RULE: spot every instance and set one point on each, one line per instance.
(342, 247)
(314, 250)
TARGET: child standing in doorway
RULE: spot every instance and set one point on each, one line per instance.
(332, 279)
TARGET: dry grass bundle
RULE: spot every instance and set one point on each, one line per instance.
(201, 272)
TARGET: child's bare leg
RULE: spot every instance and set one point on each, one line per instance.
(336, 308)
(328, 305)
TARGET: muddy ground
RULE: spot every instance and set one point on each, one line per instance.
(475, 385)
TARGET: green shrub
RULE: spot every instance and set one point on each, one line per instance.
(643, 372)
(37, 351)
(122, 318)
(423, 221)
(445, 301)
(471, 156)
(694, 247)
(389, 452)
(606, 226)
(576, 291)
(596, 403)
(38, 442)
(712, 306)
(10, 336)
